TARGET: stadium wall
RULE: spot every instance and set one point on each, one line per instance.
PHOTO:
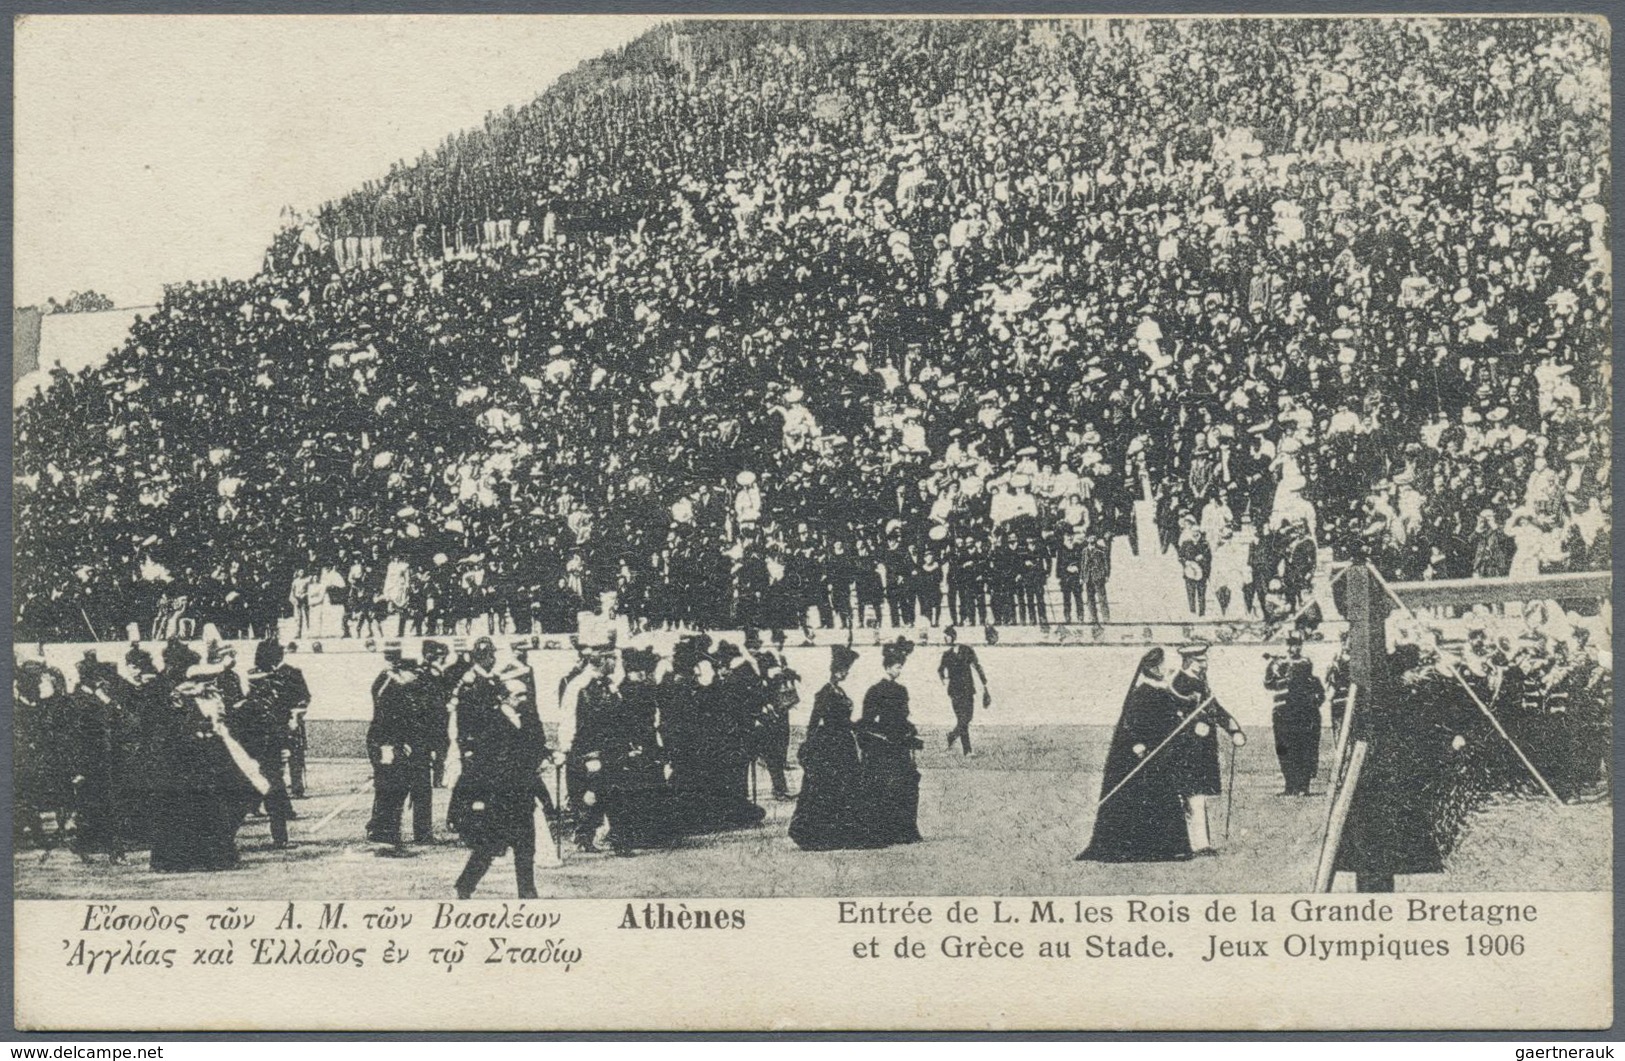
(75, 341)
(25, 329)
(1033, 685)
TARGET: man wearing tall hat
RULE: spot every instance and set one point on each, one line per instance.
(1296, 715)
(683, 693)
(615, 743)
(645, 803)
(148, 700)
(960, 671)
(743, 701)
(1196, 751)
(502, 746)
(779, 696)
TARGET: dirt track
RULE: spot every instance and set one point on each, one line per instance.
(1005, 823)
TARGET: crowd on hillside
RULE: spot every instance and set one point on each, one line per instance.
(774, 323)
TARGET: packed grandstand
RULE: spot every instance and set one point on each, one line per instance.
(771, 323)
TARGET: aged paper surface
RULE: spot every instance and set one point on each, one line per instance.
(539, 523)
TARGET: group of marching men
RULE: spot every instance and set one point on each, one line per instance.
(1551, 691)
(653, 750)
(172, 761)
(649, 751)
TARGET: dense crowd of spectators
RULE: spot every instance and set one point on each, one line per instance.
(80, 302)
(768, 323)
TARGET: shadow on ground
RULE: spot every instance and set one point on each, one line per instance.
(1006, 822)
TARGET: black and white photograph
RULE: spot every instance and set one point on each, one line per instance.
(638, 458)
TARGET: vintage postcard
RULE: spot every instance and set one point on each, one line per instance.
(542, 522)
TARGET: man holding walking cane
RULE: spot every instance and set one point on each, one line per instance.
(1197, 753)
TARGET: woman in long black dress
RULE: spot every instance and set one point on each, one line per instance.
(886, 743)
(1144, 821)
(829, 810)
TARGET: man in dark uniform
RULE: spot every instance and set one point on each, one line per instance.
(645, 799)
(262, 725)
(395, 749)
(771, 730)
(1003, 566)
(148, 701)
(1264, 564)
(746, 705)
(900, 577)
(682, 730)
(964, 590)
(1069, 572)
(520, 677)
(959, 671)
(228, 682)
(1196, 564)
(1032, 579)
(440, 678)
(1338, 682)
(815, 580)
(1097, 570)
(739, 701)
(870, 591)
(928, 579)
(840, 573)
(1296, 716)
(106, 771)
(569, 691)
(616, 735)
(751, 587)
(502, 746)
(593, 748)
(295, 702)
(1198, 744)
(43, 783)
(1298, 565)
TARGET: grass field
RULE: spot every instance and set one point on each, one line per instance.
(1007, 822)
